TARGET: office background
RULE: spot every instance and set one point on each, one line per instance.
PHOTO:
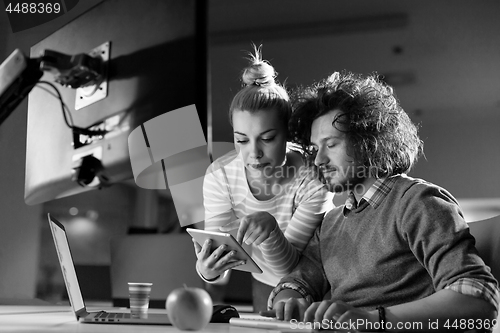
(443, 58)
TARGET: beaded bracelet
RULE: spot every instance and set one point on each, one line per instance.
(381, 318)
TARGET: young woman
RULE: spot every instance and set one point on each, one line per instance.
(262, 188)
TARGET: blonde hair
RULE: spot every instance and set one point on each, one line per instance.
(260, 90)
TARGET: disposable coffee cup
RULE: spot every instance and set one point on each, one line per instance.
(139, 294)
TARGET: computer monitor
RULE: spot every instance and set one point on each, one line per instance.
(157, 63)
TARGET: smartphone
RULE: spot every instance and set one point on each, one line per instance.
(219, 238)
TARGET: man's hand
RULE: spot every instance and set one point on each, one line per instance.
(292, 308)
(339, 312)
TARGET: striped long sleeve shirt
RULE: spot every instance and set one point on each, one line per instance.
(298, 208)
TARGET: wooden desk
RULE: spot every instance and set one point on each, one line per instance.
(46, 318)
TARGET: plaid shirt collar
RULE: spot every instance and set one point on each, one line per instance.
(378, 191)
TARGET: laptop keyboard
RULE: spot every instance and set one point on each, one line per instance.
(271, 323)
(109, 316)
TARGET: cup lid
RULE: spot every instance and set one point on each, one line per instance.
(140, 283)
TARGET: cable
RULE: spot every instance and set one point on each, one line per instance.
(63, 105)
(66, 112)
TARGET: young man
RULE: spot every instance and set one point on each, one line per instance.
(399, 250)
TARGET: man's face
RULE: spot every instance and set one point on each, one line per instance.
(340, 170)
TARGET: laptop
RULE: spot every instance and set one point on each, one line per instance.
(74, 292)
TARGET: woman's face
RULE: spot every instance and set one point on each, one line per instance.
(260, 137)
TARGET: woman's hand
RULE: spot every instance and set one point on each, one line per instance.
(340, 315)
(212, 265)
(252, 229)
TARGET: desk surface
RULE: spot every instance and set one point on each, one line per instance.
(45, 318)
(40, 318)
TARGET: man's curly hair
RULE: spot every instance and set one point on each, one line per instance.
(381, 135)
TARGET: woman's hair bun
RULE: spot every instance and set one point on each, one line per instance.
(259, 72)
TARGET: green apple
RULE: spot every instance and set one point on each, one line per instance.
(189, 309)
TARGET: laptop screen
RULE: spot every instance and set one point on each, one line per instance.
(67, 266)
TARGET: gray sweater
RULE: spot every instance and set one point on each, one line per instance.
(413, 243)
